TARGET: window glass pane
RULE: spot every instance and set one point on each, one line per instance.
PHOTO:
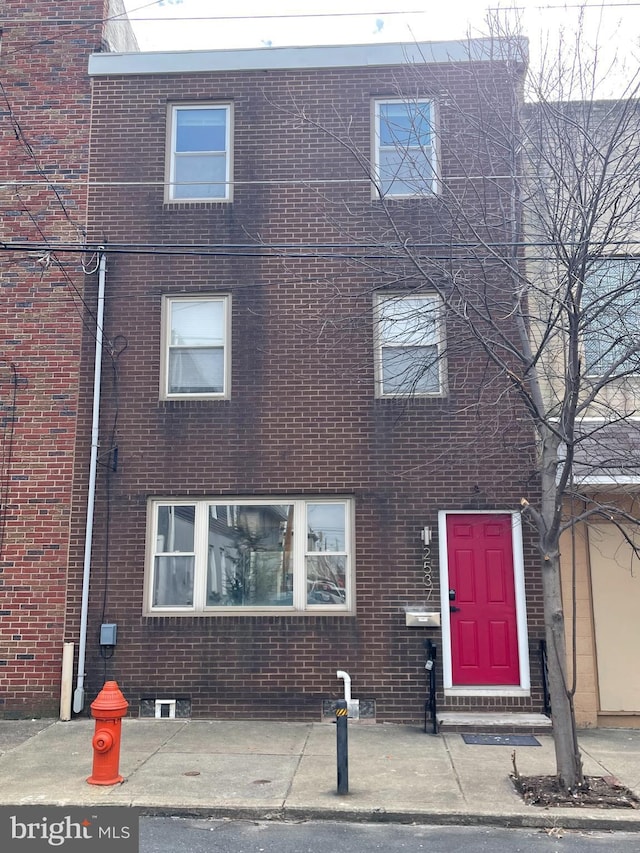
(173, 582)
(326, 527)
(200, 130)
(405, 172)
(410, 370)
(175, 529)
(405, 124)
(326, 579)
(197, 323)
(611, 304)
(249, 561)
(196, 371)
(408, 321)
(192, 170)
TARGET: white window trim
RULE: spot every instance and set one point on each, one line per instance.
(432, 188)
(170, 182)
(379, 343)
(299, 606)
(165, 339)
(524, 688)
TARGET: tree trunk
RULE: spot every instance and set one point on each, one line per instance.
(568, 761)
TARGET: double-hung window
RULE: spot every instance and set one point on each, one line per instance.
(404, 148)
(200, 153)
(195, 349)
(611, 318)
(235, 555)
(410, 358)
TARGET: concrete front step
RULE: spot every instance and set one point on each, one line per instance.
(494, 723)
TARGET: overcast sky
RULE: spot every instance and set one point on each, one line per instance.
(209, 24)
(372, 21)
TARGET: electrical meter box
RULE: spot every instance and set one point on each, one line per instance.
(108, 634)
(422, 618)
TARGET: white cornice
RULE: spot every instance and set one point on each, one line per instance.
(331, 56)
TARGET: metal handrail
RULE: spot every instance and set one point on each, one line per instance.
(546, 696)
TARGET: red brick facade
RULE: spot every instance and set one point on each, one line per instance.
(45, 105)
(302, 419)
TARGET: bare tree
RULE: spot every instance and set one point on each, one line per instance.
(533, 260)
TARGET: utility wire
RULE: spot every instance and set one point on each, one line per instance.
(261, 248)
(128, 15)
(26, 145)
(188, 18)
(86, 24)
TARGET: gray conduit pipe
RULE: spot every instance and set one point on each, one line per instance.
(78, 695)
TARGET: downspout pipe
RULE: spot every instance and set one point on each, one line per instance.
(78, 695)
(347, 684)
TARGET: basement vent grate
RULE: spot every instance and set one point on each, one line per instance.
(367, 710)
(165, 709)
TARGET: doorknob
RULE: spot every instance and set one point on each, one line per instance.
(453, 609)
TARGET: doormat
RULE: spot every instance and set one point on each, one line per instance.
(501, 740)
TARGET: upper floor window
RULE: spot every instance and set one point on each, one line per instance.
(611, 318)
(200, 153)
(404, 151)
(250, 554)
(410, 345)
(195, 349)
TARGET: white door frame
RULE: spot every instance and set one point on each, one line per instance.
(524, 688)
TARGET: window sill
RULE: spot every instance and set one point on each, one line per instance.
(195, 398)
(178, 203)
(404, 398)
(159, 617)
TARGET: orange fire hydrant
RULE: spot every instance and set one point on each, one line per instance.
(107, 709)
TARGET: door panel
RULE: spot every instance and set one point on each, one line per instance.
(484, 635)
(499, 643)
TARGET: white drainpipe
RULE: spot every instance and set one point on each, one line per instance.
(347, 684)
(353, 705)
(78, 695)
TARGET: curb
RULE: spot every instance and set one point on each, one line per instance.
(571, 819)
(298, 814)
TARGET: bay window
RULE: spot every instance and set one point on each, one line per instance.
(250, 554)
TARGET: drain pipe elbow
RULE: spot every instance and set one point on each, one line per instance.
(347, 683)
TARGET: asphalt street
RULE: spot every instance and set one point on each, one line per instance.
(171, 835)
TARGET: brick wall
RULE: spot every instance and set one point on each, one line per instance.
(45, 109)
(302, 418)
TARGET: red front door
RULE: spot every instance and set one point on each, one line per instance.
(484, 634)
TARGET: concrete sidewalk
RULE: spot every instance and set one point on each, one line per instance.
(287, 771)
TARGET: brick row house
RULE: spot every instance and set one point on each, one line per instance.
(45, 105)
(306, 466)
(302, 464)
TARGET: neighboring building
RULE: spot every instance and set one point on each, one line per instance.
(585, 156)
(607, 600)
(45, 103)
(286, 412)
(602, 555)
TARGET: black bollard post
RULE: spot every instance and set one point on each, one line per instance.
(342, 715)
